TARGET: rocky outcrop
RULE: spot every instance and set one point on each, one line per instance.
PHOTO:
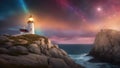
(32, 51)
(107, 46)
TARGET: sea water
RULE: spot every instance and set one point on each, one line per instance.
(79, 52)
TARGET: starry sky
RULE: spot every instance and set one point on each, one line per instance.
(63, 21)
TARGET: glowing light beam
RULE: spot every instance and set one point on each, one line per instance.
(24, 7)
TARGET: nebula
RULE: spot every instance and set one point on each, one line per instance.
(63, 21)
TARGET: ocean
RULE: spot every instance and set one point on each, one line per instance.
(79, 52)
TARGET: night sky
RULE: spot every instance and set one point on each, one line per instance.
(63, 21)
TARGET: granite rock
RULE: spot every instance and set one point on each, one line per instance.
(39, 54)
(107, 46)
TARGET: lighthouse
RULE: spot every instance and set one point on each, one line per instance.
(30, 26)
(29, 29)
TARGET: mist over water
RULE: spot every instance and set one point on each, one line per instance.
(79, 52)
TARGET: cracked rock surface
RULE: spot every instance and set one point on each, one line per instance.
(107, 46)
(32, 51)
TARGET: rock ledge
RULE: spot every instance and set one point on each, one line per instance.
(32, 51)
(107, 46)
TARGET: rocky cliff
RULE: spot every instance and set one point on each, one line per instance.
(32, 51)
(107, 46)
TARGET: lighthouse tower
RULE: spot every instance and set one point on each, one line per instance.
(30, 26)
(29, 29)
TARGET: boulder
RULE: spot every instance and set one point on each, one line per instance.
(3, 38)
(44, 50)
(23, 61)
(55, 46)
(22, 41)
(57, 63)
(50, 45)
(4, 51)
(70, 62)
(42, 40)
(54, 52)
(18, 50)
(107, 46)
(37, 42)
(10, 40)
(43, 46)
(33, 48)
(43, 60)
(63, 52)
(9, 43)
(6, 45)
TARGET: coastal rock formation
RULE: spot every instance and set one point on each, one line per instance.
(32, 51)
(107, 46)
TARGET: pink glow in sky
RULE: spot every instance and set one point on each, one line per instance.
(67, 21)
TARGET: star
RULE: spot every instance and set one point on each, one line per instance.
(99, 9)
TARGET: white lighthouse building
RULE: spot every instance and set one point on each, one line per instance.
(29, 29)
(30, 26)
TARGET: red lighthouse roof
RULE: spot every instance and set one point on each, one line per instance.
(24, 30)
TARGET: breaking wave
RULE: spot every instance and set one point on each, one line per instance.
(83, 60)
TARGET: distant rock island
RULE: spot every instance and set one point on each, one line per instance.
(32, 51)
(107, 46)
